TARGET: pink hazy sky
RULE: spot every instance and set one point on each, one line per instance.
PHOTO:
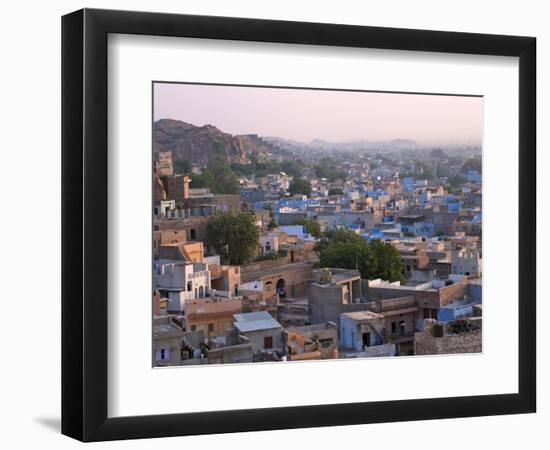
(303, 114)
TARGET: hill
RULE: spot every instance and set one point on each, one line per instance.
(202, 144)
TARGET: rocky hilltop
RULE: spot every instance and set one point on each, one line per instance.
(201, 144)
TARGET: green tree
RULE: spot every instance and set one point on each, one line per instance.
(335, 191)
(269, 166)
(300, 186)
(346, 250)
(348, 255)
(456, 181)
(388, 264)
(226, 181)
(233, 236)
(311, 225)
(292, 168)
(423, 171)
(326, 169)
(340, 235)
(204, 180)
(217, 177)
(243, 169)
(471, 164)
(183, 166)
(450, 190)
(268, 256)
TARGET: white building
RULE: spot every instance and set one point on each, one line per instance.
(269, 242)
(180, 281)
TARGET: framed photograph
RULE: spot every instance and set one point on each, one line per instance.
(273, 225)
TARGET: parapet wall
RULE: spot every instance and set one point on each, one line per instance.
(428, 344)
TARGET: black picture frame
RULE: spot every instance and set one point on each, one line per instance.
(84, 224)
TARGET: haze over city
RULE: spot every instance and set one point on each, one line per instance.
(336, 116)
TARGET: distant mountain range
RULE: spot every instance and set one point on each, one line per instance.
(199, 144)
(319, 144)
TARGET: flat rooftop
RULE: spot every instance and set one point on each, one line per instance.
(362, 315)
(166, 331)
(255, 321)
(412, 216)
(345, 276)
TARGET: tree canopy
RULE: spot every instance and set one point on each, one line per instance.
(292, 168)
(332, 236)
(183, 166)
(346, 250)
(455, 181)
(233, 236)
(471, 164)
(218, 177)
(300, 186)
(311, 225)
(262, 169)
(387, 262)
(326, 169)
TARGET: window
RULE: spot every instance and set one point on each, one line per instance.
(210, 327)
(189, 288)
(366, 339)
(162, 354)
(192, 234)
(193, 328)
(393, 327)
(268, 342)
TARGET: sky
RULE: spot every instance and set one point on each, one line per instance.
(334, 116)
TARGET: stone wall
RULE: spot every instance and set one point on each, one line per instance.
(428, 344)
(231, 355)
(453, 292)
(460, 343)
(194, 227)
(295, 277)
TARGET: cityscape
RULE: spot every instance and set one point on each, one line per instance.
(304, 224)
